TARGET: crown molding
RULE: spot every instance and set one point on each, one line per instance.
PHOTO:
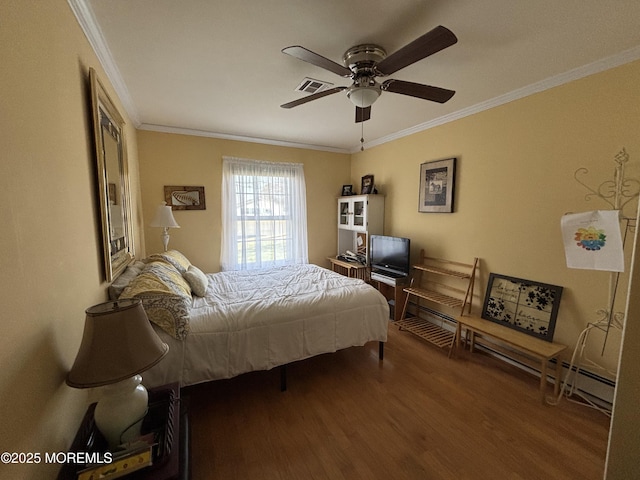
(87, 20)
(598, 66)
(239, 138)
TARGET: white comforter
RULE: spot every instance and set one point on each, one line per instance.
(257, 320)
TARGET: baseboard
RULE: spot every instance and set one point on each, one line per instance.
(591, 386)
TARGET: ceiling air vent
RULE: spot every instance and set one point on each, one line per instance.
(310, 85)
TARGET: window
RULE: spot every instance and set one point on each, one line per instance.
(264, 214)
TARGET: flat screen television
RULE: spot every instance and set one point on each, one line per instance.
(389, 255)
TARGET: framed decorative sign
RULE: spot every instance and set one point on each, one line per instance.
(436, 186)
(530, 307)
(185, 198)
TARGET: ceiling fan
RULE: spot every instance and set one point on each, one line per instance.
(363, 63)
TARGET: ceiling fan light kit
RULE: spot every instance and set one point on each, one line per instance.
(363, 96)
(363, 63)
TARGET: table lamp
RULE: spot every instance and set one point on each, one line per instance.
(164, 218)
(118, 344)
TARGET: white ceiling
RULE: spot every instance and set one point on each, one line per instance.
(215, 67)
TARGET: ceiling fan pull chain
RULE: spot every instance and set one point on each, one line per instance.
(362, 136)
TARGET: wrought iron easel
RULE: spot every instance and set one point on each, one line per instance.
(618, 193)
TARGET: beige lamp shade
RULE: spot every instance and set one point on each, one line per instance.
(118, 342)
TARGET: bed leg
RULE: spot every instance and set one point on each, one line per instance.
(283, 378)
(381, 351)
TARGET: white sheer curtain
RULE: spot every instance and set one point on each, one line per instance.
(264, 214)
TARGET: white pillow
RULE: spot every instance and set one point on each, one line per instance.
(197, 280)
(119, 284)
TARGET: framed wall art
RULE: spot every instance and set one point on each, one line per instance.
(437, 181)
(524, 305)
(185, 198)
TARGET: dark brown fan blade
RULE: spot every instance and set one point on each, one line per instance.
(308, 56)
(431, 42)
(363, 114)
(315, 96)
(427, 92)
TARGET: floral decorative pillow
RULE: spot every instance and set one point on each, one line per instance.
(166, 297)
(173, 257)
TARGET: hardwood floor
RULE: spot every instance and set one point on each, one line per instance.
(416, 415)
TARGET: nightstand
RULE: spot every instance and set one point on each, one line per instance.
(167, 419)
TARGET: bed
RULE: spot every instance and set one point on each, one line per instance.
(224, 324)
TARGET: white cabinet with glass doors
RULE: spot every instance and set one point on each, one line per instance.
(359, 216)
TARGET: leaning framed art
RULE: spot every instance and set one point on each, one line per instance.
(524, 305)
(437, 180)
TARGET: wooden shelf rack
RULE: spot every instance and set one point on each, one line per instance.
(428, 283)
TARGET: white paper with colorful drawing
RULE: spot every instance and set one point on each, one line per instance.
(592, 240)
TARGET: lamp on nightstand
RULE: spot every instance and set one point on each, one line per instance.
(118, 344)
(164, 218)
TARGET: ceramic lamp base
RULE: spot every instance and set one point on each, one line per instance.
(120, 411)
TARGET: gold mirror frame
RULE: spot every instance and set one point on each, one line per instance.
(113, 181)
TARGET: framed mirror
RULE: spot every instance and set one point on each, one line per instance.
(113, 181)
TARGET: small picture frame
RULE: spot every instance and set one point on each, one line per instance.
(437, 181)
(367, 185)
(524, 305)
(347, 190)
(185, 197)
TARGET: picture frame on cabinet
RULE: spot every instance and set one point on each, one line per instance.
(347, 190)
(437, 182)
(367, 185)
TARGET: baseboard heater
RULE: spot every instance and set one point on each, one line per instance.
(594, 387)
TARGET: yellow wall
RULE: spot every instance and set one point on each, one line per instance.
(51, 260)
(515, 180)
(171, 159)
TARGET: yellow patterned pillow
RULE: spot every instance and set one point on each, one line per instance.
(165, 295)
(172, 257)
